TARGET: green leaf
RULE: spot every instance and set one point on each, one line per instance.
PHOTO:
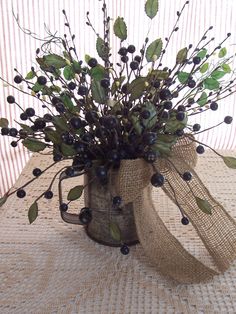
(136, 88)
(164, 144)
(204, 205)
(37, 87)
(229, 161)
(211, 83)
(183, 77)
(33, 212)
(115, 231)
(203, 99)
(222, 52)
(67, 150)
(76, 67)
(30, 75)
(54, 60)
(151, 8)
(34, 145)
(117, 84)
(120, 28)
(102, 49)
(53, 136)
(3, 200)
(98, 92)
(56, 73)
(87, 58)
(154, 50)
(75, 193)
(182, 55)
(98, 72)
(172, 125)
(55, 89)
(4, 123)
(159, 75)
(136, 124)
(60, 123)
(204, 68)
(226, 67)
(217, 74)
(151, 121)
(46, 91)
(202, 53)
(68, 72)
(67, 102)
(26, 128)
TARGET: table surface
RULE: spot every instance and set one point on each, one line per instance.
(53, 267)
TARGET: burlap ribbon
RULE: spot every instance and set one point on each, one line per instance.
(217, 231)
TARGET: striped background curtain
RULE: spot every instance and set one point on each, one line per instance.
(17, 50)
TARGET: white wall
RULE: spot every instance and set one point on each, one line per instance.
(18, 50)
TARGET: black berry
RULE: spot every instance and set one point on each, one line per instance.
(200, 149)
(85, 217)
(57, 157)
(124, 249)
(214, 106)
(196, 60)
(47, 117)
(10, 99)
(124, 59)
(157, 179)
(37, 172)
(21, 193)
(76, 122)
(39, 124)
(165, 94)
(180, 116)
(42, 80)
(134, 65)
(196, 127)
(117, 200)
(228, 120)
(122, 51)
(63, 207)
(4, 131)
(191, 83)
(92, 62)
(70, 171)
(72, 86)
(187, 176)
(13, 143)
(60, 107)
(131, 49)
(105, 83)
(150, 156)
(48, 195)
(149, 138)
(82, 90)
(13, 132)
(167, 105)
(145, 114)
(23, 116)
(30, 112)
(185, 221)
(18, 79)
(138, 59)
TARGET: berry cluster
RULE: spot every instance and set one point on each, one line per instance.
(98, 111)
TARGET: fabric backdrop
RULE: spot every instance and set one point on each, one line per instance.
(17, 50)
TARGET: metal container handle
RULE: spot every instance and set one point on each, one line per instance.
(67, 217)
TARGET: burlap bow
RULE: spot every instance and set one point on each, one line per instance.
(217, 231)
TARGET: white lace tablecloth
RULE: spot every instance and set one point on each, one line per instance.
(53, 267)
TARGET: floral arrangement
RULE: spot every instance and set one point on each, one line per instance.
(98, 113)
